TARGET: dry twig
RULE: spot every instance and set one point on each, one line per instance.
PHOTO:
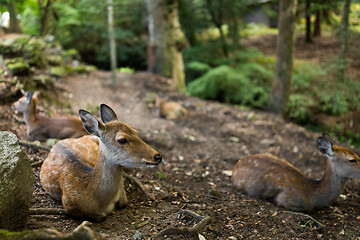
(35, 146)
(186, 233)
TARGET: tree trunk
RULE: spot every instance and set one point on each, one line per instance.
(308, 37)
(284, 62)
(344, 38)
(44, 16)
(112, 42)
(14, 23)
(165, 41)
(216, 18)
(318, 20)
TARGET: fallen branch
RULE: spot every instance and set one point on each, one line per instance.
(140, 185)
(35, 146)
(317, 224)
(47, 211)
(186, 233)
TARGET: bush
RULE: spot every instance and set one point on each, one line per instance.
(195, 69)
(228, 85)
(299, 108)
(335, 104)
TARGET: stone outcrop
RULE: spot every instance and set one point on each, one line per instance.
(16, 183)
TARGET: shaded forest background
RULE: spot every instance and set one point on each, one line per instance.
(211, 36)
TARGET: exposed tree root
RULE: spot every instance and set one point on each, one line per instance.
(316, 223)
(186, 233)
(35, 146)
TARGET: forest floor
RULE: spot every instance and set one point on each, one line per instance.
(199, 152)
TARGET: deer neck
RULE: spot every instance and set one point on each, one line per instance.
(30, 116)
(328, 187)
(109, 176)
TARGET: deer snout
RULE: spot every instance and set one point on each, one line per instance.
(158, 158)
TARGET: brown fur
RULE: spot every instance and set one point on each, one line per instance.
(47, 127)
(267, 176)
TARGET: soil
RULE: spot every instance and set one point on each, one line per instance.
(199, 152)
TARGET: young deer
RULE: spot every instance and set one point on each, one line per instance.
(94, 191)
(44, 128)
(169, 110)
(266, 176)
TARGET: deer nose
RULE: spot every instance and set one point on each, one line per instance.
(158, 158)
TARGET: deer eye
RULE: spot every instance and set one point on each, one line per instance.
(122, 141)
(353, 161)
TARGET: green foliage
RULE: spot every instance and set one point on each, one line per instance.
(335, 104)
(195, 69)
(228, 85)
(299, 108)
(125, 70)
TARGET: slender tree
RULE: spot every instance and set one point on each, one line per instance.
(308, 36)
(113, 59)
(14, 22)
(344, 38)
(165, 41)
(317, 26)
(284, 61)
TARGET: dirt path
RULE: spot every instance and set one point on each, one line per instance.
(197, 150)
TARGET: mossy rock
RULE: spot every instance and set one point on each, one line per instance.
(19, 68)
(33, 52)
(57, 71)
(55, 60)
(17, 178)
(42, 80)
(12, 46)
(71, 54)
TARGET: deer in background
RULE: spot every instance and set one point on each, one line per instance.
(169, 110)
(267, 176)
(94, 192)
(42, 128)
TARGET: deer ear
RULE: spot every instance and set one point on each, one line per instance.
(36, 94)
(90, 123)
(325, 144)
(28, 95)
(107, 114)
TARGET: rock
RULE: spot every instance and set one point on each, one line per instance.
(58, 72)
(42, 80)
(55, 60)
(11, 45)
(81, 232)
(18, 68)
(16, 183)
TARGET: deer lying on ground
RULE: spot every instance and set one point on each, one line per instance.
(93, 192)
(267, 176)
(169, 110)
(47, 127)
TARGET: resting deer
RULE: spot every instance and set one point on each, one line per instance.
(169, 110)
(47, 127)
(267, 176)
(94, 191)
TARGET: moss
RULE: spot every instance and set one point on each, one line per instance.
(71, 53)
(19, 68)
(42, 80)
(57, 71)
(55, 60)
(12, 46)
